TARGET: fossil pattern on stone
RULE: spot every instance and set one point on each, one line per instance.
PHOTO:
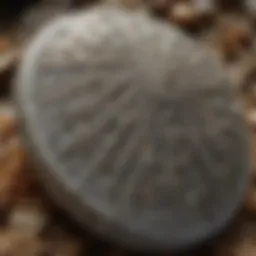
(139, 124)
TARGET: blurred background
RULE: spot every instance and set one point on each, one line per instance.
(29, 224)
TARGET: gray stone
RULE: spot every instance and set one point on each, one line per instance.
(140, 134)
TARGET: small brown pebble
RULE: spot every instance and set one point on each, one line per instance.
(249, 83)
(251, 117)
(184, 14)
(28, 216)
(238, 241)
(14, 243)
(5, 44)
(10, 176)
(250, 199)
(247, 248)
(236, 73)
(234, 38)
(9, 55)
(6, 108)
(13, 180)
(241, 243)
(8, 61)
(7, 127)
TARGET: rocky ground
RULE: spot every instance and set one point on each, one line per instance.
(29, 223)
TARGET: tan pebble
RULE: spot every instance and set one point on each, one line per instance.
(240, 241)
(249, 82)
(12, 162)
(5, 44)
(28, 216)
(250, 195)
(8, 61)
(224, 246)
(245, 73)
(234, 38)
(223, 250)
(248, 249)
(250, 200)
(236, 73)
(11, 176)
(184, 14)
(246, 244)
(7, 126)
(7, 108)
(251, 118)
(68, 248)
(14, 243)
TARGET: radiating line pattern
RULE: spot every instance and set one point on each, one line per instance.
(141, 133)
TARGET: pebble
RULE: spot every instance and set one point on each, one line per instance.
(16, 243)
(5, 44)
(250, 200)
(29, 216)
(7, 128)
(241, 243)
(12, 159)
(9, 59)
(126, 133)
(251, 116)
(235, 37)
(184, 14)
(249, 83)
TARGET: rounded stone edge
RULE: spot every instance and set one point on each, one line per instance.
(58, 192)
